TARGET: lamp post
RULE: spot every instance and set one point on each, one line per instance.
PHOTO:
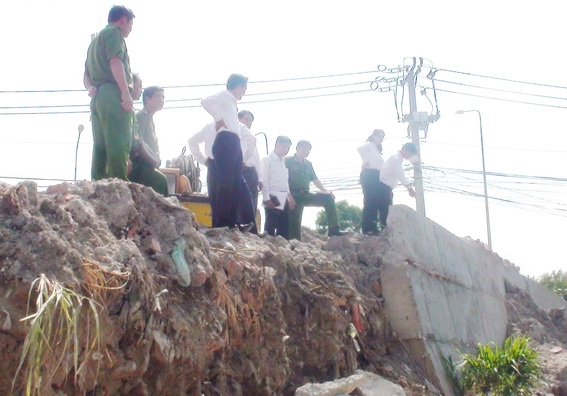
(483, 174)
(80, 128)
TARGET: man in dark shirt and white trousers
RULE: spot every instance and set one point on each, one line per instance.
(231, 189)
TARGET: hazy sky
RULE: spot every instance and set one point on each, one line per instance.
(189, 46)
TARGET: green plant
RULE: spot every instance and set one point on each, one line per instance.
(60, 330)
(349, 216)
(513, 369)
(556, 281)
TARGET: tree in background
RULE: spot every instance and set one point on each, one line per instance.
(556, 281)
(349, 218)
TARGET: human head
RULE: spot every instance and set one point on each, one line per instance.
(136, 86)
(283, 143)
(153, 98)
(303, 149)
(246, 117)
(237, 84)
(123, 18)
(408, 150)
(377, 136)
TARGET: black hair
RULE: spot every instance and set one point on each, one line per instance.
(149, 92)
(117, 12)
(283, 139)
(410, 148)
(242, 113)
(236, 80)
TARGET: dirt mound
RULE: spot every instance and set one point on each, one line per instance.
(176, 309)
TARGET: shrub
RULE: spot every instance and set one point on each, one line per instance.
(513, 369)
(556, 281)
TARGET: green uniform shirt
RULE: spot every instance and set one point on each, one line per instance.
(301, 174)
(147, 130)
(108, 43)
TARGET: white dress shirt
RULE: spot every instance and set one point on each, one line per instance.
(222, 106)
(370, 154)
(206, 135)
(393, 171)
(274, 175)
(249, 149)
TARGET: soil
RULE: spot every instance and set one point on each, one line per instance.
(261, 316)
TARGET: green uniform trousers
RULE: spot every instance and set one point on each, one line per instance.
(112, 134)
(144, 173)
(303, 199)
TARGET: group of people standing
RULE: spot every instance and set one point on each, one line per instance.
(235, 173)
(236, 176)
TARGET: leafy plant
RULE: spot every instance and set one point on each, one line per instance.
(60, 330)
(556, 281)
(513, 369)
(349, 216)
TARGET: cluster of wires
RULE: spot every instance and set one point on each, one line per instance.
(76, 101)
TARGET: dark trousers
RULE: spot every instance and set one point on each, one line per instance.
(211, 186)
(277, 222)
(385, 199)
(305, 198)
(370, 180)
(251, 177)
(230, 188)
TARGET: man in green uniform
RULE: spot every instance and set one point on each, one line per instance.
(108, 80)
(301, 174)
(142, 171)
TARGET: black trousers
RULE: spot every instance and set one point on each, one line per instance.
(277, 222)
(230, 189)
(377, 200)
(251, 177)
(385, 199)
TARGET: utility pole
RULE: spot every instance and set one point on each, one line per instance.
(415, 120)
(418, 120)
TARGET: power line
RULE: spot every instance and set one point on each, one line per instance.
(501, 79)
(200, 85)
(501, 90)
(500, 99)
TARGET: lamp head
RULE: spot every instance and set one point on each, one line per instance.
(459, 112)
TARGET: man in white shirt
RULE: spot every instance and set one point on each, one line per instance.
(230, 188)
(207, 136)
(250, 158)
(275, 189)
(392, 172)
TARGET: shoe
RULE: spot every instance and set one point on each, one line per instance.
(336, 232)
(246, 227)
(372, 233)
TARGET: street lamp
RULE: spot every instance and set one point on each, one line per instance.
(483, 174)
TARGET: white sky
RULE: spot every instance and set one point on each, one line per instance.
(187, 43)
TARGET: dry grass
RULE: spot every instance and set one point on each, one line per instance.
(104, 285)
(64, 333)
(242, 309)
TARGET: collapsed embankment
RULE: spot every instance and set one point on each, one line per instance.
(183, 310)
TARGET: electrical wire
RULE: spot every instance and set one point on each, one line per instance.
(502, 79)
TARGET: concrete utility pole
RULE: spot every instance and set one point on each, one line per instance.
(415, 119)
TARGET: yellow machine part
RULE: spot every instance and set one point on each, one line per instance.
(198, 203)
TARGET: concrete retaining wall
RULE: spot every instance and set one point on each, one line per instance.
(443, 294)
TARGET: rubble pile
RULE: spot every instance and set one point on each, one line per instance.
(183, 309)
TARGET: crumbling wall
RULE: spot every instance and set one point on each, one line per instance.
(443, 294)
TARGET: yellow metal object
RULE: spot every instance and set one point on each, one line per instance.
(198, 204)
